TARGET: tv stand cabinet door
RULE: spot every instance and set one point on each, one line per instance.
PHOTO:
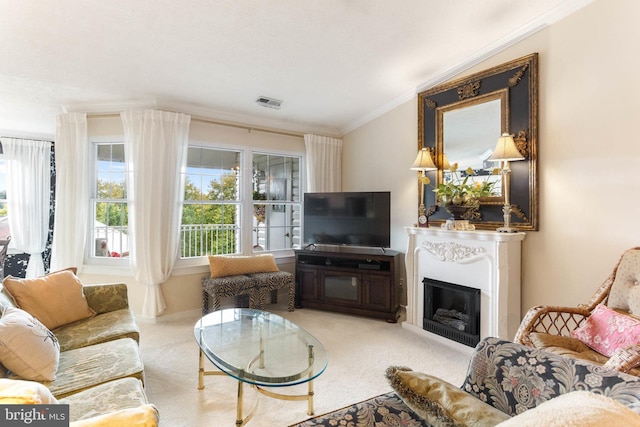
(308, 289)
(340, 287)
(378, 292)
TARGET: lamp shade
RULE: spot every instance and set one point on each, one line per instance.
(505, 150)
(445, 163)
(423, 161)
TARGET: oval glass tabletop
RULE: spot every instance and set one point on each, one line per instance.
(259, 347)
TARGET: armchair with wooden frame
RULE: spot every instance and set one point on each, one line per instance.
(550, 327)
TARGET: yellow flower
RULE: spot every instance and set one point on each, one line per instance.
(453, 167)
(496, 171)
(425, 180)
(470, 171)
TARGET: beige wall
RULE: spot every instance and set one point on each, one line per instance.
(377, 157)
(588, 152)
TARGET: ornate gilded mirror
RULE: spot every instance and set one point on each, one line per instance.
(460, 122)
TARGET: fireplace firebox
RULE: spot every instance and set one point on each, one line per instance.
(452, 311)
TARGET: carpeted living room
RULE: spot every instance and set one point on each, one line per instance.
(324, 214)
(359, 349)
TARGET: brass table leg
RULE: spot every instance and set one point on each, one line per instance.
(201, 371)
(310, 411)
(240, 395)
(239, 420)
(311, 357)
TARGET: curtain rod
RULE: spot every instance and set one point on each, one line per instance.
(31, 139)
(213, 122)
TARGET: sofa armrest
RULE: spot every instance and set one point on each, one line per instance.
(550, 320)
(624, 359)
(514, 378)
(103, 298)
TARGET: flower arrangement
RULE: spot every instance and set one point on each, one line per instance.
(458, 190)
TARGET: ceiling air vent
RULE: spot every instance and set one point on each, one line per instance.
(269, 102)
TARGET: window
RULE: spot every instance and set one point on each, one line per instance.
(4, 219)
(276, 202)
(109, 237)
(211, 212)
(224, 212)
(217, 196)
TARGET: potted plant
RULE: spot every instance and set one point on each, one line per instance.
(460, 194)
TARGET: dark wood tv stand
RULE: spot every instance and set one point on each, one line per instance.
(359, 281)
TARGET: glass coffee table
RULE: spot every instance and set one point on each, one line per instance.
(261, 349)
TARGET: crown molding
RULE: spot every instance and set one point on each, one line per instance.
(114, 107)
(554, 15)
(246, 120)
(199, 112)
(396, 102)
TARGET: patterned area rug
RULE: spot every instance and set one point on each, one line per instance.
(386, 410)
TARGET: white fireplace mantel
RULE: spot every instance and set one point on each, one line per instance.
(485, 260)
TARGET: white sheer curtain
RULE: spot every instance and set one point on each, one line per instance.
(28, 197)
(155, 153)
(324, 163)
(72, 192)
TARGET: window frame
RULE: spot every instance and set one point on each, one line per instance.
(89, 257)
(238, 202)
(3, 170)
(246, 196)
(269, 203)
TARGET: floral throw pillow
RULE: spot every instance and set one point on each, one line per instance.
(606, 330)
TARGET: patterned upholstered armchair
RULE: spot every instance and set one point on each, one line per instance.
(605, 331)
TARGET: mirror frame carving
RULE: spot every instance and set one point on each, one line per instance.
(517, 83)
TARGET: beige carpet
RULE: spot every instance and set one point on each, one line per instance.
(359, 349)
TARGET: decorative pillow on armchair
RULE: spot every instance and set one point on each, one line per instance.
(606, 330)
(55, 299)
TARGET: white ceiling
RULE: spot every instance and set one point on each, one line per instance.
(335, 63)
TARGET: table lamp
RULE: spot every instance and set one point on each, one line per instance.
(423, 163)
(505, 152)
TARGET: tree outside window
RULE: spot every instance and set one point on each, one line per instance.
(211, 211)
(109, 235)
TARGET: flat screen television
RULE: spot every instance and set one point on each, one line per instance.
(348, 218)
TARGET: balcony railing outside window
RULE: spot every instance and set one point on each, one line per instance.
(208, 239)
(195, 240)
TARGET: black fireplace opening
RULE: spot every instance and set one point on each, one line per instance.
(452, 311)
